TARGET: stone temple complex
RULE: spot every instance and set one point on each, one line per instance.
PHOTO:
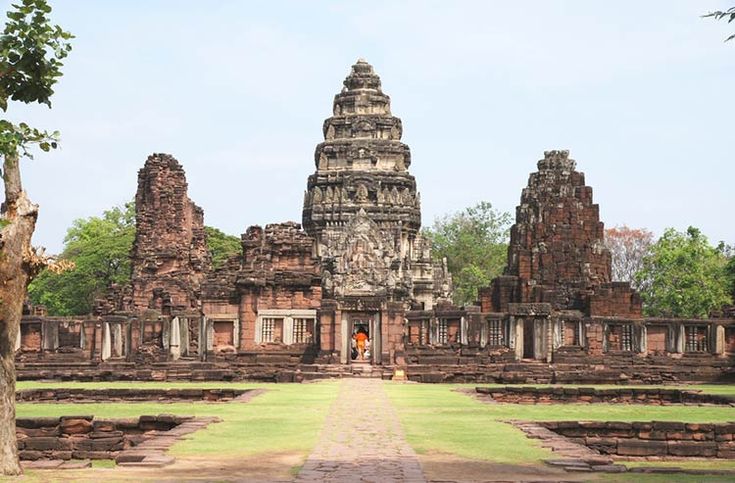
(354, 289)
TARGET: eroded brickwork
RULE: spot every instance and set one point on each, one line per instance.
(557, 253)
(170, 255)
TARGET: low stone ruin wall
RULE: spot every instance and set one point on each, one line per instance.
(132, 395)
(87, 437)
(570, 395)
(655, 438)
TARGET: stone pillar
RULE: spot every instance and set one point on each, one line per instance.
(118, 336)
(377, 339)
(106, 342)
(288, 330)
(519, 336)
(681, 339)
(17, 341)
(344, 345)
(644, 340)
(463, 331)
(236, 339)
(175, 339)
(719, 334)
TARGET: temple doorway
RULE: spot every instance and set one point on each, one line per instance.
(364, 335)
(529, 339)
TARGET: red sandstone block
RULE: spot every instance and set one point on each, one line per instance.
(632, 447)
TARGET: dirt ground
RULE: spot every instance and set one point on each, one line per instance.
(266, 467)
(438, 467)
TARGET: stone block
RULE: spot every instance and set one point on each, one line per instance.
(632, 447)
(692, 448)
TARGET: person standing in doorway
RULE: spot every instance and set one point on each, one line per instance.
(361, 338)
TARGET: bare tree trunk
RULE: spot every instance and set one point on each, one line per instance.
(18, 264)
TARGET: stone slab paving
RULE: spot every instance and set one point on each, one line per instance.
(362, 440)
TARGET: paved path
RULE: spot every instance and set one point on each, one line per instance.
(362, 440)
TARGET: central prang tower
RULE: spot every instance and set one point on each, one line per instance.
(361, 205)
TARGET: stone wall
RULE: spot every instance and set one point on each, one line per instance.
(86, 437)
(655, 438)
(71, 395)
(584, 395)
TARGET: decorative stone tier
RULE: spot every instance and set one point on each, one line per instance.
(582, 395)
(389, 199)
(654, 438)
(67, 395)
(87, 437)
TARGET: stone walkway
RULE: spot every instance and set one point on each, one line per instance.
(362, 440)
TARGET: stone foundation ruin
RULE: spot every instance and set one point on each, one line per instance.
(590, 395)
(290, 305)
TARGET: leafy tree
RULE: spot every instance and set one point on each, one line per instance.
(729, 14)
(31, 51)
(475, 244)
(628, 247)
(221, 246)
(688, 277)
(99, 248)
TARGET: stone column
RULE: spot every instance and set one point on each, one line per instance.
(175, 339)
(288, 330)
(184, 334)
(519, 336)
(719, 345)
(106, 342)
(17, 342)
(345, 348)
(681, 340)
(117, 328)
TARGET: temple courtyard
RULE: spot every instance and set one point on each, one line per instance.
(364, 429)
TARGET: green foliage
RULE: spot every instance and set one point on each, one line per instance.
(100, 249)
(221, 246)
(31, 51)
(475, 245)
(728, 14)
(686, 276)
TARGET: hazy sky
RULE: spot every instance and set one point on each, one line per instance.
(641, 93)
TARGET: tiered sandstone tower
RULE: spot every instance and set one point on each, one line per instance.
(557, 253)
(170, 257)
(361, 205)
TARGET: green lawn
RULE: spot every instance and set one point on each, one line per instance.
(435, 418)
(288, 417)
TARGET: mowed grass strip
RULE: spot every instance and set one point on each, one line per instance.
(286, 418)
(438, 418)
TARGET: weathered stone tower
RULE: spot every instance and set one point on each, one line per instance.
(362, 206)
(557, 253)
(170, 257)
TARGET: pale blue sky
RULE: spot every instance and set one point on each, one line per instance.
(641, 93)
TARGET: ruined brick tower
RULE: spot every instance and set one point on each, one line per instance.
(361, 205)
(557, 253)
(170, 257)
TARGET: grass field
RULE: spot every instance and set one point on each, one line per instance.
(435, 418)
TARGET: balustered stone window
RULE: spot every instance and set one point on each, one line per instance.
(621, 338)
(448, 331)
(286, 326)
(697, 339)
(495, 333)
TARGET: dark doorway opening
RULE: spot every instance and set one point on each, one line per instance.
(529, 337)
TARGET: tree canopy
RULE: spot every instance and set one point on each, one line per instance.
(221, 246)
(687, 277)
(475, 244)
(728, 14)
(628, 247)
(100, 248)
